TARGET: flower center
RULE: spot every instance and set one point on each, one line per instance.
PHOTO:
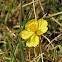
(33, 27)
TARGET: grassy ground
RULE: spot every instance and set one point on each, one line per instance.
(12, 22)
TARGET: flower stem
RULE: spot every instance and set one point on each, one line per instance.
(34, 10)
(29, 54)
(53, 15)
(21, 47)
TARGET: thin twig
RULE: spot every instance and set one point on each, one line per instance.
(2, 53)
(48, 40)
(18, 7)
(36, 57)
(10, 31)
(44, 15)
(56, 21)
(42, 57)
(60, 29)
(53, 40)
(13, 11)
(55, 14)
(34, 10)
(41, 6)
(2, 42)
(6, 58)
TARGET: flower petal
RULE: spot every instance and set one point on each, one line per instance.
(39, 32)
(26, 34)
(42, 30)
(33, 41)
(42, 22)
(32, 25)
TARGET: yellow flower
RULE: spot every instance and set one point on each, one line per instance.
(33, 30)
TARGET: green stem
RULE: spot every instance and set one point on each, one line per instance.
(21, 47)
(22, 51)
(9, 40)
(20, 15)
(15, 53)
(53, 15)
(54, 5)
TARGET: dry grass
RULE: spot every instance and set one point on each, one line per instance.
(51, 42)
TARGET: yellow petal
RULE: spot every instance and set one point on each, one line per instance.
(42, 22)
(26, 34)
(33, 41)
(39, 32)
(42, 30)
(32, 25)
